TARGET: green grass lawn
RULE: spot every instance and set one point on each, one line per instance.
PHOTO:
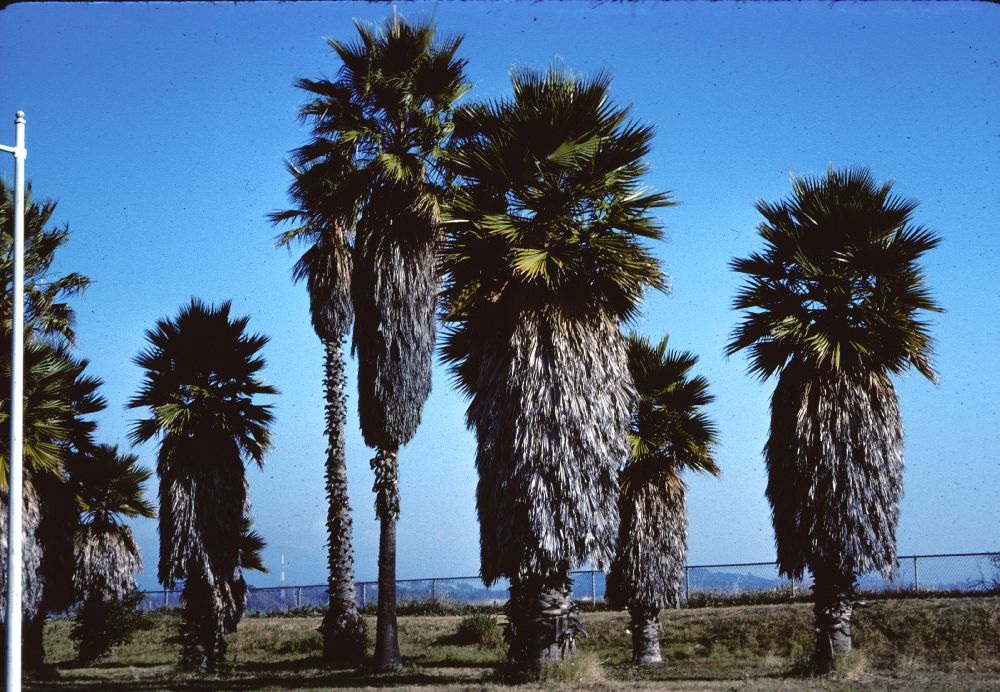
(941, 644)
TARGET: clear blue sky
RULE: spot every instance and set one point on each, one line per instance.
(161, 130)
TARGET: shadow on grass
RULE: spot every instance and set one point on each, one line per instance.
(308, 673)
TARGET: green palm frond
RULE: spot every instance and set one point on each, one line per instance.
(202, 374)
(379, 127)
(252, 546)
(551, 207)
(58, 400)
(670, 432)
(46, 312)
(837, 283)
(110, 484)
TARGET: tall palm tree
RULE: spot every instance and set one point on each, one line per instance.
(377, 132)
(202, 374)
(109, 487)
(834, 309)
(670, 433)
(545, 261)
(326, 268)
(58, 398)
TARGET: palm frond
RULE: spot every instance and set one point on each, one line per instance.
(838, 281)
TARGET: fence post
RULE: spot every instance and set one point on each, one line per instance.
(433, 589)
(298, 596)
(166, 597)
(916, 584)
(364, 594)
(687, 583)
(593, 587)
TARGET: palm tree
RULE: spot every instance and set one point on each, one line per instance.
(669, 433)
(377, 133)
(545, 261)
(326, 268)
(200, 383)
(109, 487)
(833, 308)
(46, 314)
(58, 397)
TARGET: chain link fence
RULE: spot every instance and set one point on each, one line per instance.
(949, 573)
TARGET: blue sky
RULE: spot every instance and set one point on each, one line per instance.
(161, 129)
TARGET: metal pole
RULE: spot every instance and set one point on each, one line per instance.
(916, 584)
(364, 594)
(687, 584)
(433, 590)
(593, 587)
(15, 485)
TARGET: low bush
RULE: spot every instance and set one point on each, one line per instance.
(98, 626)
(481, 629)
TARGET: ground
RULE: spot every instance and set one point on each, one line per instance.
(938, 644)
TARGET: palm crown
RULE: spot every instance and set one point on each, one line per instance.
(57, 398)
(379, 127)
(46, 313)
(838, 284)
(201, 372)
(110, 485)
(670, 432)
(551, 210)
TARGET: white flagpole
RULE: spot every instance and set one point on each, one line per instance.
(15, 486)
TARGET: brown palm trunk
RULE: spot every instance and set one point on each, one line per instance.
(834, 604)
(201, 629)
(343, 630)
(387, 509)
(542, 622)
(645, 634)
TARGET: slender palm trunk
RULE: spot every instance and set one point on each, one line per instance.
(834, 594)
(387, 508)
(343, 629)
(646, 630)
(542, 622)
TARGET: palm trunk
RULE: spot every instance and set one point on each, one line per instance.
(201, 629)
(542, 622)
(343, 630)
(33, 646)
(91, 625)
(387, 509)
(645, 634)
(835, 596)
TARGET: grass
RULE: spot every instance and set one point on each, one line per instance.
(929, 644)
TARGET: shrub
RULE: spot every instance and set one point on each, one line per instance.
(100, 625)
(481, 629)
